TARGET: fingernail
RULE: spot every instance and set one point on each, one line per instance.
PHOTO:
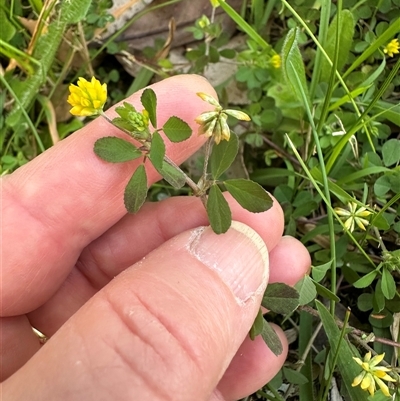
(239, 257)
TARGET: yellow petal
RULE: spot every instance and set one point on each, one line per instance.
(240, 115)
(376, 360)
(208, 99)
(382, 386)
(358, 379)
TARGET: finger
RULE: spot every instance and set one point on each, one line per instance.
(253, 366)
(169, 325)
(294, 261)
(16, 349)
(65, 198)
(113, 252)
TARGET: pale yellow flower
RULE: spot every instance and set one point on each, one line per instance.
(276, 61)
(214, 123)
(372, 374)
(88, 98)
(353, 216)
(392, 48)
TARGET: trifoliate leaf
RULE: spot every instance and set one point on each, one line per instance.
(157, 151)
(280, 298)
(176, 129)
(173, 176)
(223, 155)
(116, 150)
(271, 338)
(149, 102)
(249, 195)
(218, 211)
(136, 190)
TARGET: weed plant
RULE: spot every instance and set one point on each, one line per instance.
(322, 90)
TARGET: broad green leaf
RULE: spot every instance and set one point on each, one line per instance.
(388, 285)
(324, 292)
(116, 150)
(291, 62)
(176, 129)
(149, 102)
(366, 280)
(348, 368)
(280, 298)
(318, 272)
(391, 152)
(249, 194)
(306, 290)
(257, 326)
(271, 338)
(294, 377)
(379, 299)
(364, 302)
(172, 175)
(7, 30)
(390, 111)
(346, 33)
(136, 190)
(382, 185)
(218, 211)
(223, 155)
(157, 151)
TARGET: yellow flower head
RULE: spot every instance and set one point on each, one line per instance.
(392, 48)
(276, 61)
(372, 374)
(353, 216)
(88, 98)
(214, 123)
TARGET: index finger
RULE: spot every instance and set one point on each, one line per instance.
(57, 204)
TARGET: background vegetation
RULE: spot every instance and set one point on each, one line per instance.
(321, 85)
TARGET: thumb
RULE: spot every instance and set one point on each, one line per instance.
(166, 328)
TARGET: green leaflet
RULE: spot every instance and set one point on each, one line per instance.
(116, 150)
(149, 102)
(346, 31)
(223, 155)
(249, 195)
(280, 298)
(176, 129)
(218, 211)
(292, 62)
(136, 190)
(157, 151)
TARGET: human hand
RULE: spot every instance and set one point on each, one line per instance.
(137, 307)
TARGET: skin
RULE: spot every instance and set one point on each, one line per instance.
(146, 306)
